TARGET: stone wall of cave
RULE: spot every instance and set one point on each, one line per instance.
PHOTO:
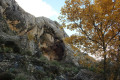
(53, 48)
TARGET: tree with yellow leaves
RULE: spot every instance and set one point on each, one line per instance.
(98, 25)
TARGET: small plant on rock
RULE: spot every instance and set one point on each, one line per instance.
(20, 77)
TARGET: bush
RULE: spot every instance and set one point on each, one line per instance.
(1, 50)
(43, 58)
(92, 69)
(20, 77)
(27, 52)
(47, 78)
(72, 68)
(8, 50)
(56, 63)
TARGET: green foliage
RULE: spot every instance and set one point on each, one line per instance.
(43, 58)
(47, 78)
(62, 67)
(55, 63)
(71, 69)
(26, 52)
(20, 77)
(8, 49)
(92, 69)
(1, 49)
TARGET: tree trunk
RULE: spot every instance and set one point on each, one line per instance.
(105, 67)
(117, 70)
(104, 49)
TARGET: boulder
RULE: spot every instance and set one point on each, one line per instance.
(85, 74)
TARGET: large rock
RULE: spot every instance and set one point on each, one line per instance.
(34, 34)
(85, 74)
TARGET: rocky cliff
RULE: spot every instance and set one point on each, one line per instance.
(24, 32)
(26, 42)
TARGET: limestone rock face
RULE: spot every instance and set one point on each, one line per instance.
(87, 75)
(38, 35)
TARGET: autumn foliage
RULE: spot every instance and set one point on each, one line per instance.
(97, 23)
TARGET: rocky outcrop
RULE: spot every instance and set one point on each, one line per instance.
(25, 41)
(28, 33)
(25, 67)
(85, 74)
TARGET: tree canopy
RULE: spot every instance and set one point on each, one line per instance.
(98, 25)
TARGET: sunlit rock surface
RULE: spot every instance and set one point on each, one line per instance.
(33, 48)
(39, 35)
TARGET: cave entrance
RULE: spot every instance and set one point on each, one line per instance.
(13, 46)
(55, 51)
(59, 49)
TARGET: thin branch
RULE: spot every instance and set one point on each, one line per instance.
(112, 38)
(108, 26)
(95, 27)
(89, 37)
(80, 25)
(101, 28)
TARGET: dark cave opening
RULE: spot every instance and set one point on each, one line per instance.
(55, 51)
(11, 44)
(59, 48)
